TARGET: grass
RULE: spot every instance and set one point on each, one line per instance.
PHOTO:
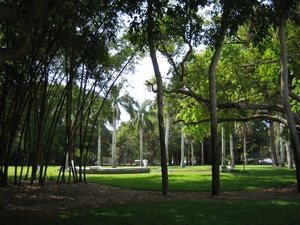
(200, 212)
(194, 178)
(255, 177)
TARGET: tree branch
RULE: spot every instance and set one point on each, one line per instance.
(294, 96)
(239, 119)
(25, 14)
(240, 104)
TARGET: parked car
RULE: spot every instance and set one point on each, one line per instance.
(265, 161)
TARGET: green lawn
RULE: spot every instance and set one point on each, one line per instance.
(197, 212)
(201, 212)
(254, 177)
(193, 178)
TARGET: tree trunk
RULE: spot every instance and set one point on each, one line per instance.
(202, 152)
(141, 144)
(167, 136)
(223, 167)
(146, 148)
(245, 148)
(160, 106)
(277, 149)
(114, 151)
(285, 99)
(272, 145)
(232, 165)
(289, 155)
(192, 150)
(99, 161)
(282, 153)
(182, 164)
(215, 156)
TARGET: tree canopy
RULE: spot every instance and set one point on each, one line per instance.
(61, 62)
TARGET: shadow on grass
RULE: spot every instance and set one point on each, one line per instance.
(202, 212)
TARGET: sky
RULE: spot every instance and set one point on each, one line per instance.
(144, 71)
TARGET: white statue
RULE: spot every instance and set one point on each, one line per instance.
(145, 162)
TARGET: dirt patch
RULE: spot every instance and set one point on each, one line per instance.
(26, 203)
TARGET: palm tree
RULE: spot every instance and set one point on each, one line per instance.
(168, 121)
(232, 165)
(244, 130)
(190, 138)
(223, 166)
(182, 147)
(272, 144)
(144, 123)
(116, 116)
(104, 116)
(126, 102)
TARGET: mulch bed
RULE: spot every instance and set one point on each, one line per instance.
(20, 204)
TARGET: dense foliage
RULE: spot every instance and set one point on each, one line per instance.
(231, 62)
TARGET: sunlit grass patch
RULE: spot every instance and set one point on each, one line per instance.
(199, 178)
(192, 178)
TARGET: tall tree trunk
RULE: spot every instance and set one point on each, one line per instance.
(182, 148)
(146, 148)
(160, 106)
(141, 144)
(202, 152)
(289, 155)
(223, 167)
(277, 150)
(232, 165)
(167, 136)
(285, 99)
(281, 146)
(113, 152)
(245, 148)
(272, 145)
(192, 150)
(215, 156)
(99, 161)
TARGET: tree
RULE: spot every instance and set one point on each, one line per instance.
(223, 153)
(75, 45)
(25, 13)
(128, 103)
(223, 12)
(150, 38)
(232, 164)
(244, 130)
(285, 93)
(168, 121)
(144, 123)
(104, 116)
(233, 15)
(70, 46)
(182, 163)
